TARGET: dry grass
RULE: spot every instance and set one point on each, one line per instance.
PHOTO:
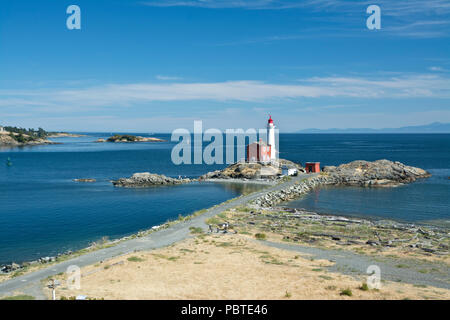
(228, 267)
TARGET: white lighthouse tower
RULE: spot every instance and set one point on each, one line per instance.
(271, 139)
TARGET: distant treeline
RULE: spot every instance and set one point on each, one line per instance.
(23, 135)
(39, 133)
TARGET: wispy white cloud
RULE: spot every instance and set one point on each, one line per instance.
(392, 8)
(167, 78)
(221, 4)
(407, 18)
(406, 86)
(420, 29)
(438, 69)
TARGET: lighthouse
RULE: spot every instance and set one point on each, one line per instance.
(271, 138)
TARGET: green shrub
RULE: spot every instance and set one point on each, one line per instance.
(364, 287)
(135, 259)
(260, 236)
(346, 292)
(196, 230)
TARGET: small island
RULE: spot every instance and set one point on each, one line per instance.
(64, 135)
(147, 179)
(129, 138)
(15, 136)
(86, 180)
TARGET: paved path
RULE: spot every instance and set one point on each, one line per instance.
(31, 283)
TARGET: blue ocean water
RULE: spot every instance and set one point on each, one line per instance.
(426, 201)
(43, 212)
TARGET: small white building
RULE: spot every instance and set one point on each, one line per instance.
(288, 171)
(2, 130)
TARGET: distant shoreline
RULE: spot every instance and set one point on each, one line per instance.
(65, 135)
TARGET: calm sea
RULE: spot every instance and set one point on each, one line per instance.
(43, 212)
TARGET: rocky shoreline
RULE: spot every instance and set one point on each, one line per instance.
(305, 227)
(7, 141)
(381, 173)
(12, 267)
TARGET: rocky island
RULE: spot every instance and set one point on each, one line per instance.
(16, 137)
(65, 135)
(86, 180)
(147, 179)
(380, 173)
(376, 174)
(129, 138)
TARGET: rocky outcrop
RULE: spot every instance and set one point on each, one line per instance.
(129, 138)
(8, 268)
(85, 180)
(287, 222)
(7, 140)
(147, 179)
(250, 171)
(377, 173)
(357, 173)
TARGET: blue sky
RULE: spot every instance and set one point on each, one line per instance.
(157, 65)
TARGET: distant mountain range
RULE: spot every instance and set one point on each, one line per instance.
(435, 127)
